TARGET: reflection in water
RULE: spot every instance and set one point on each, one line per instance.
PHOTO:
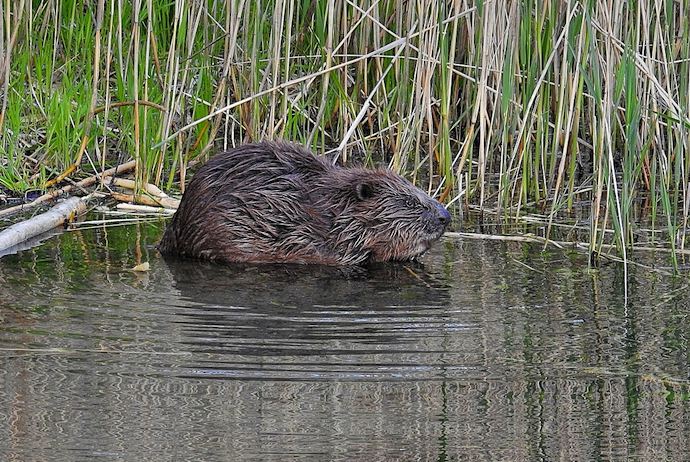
(490, 351)
(305, 323)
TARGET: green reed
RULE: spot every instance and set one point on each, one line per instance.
(515, 107)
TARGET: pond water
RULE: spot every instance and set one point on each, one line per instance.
(489, 351)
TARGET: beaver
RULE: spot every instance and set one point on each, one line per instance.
(276, 202)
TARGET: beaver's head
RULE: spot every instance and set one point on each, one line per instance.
(384, 216)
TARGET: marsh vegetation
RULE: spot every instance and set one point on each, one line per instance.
(523, 109)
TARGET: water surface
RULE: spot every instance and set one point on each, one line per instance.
(488, 351)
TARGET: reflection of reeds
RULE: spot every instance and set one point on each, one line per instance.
(510, 104)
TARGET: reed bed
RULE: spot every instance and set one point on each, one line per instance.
(513, 106)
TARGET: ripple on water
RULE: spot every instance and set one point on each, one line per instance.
(472, 356)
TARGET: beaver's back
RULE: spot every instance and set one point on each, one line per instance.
(251, 203)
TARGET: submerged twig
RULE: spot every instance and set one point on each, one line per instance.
(139, 209)
(559, 244)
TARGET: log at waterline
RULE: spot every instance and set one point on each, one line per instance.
(57, 216)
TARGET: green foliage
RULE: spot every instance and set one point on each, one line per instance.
(514, 106)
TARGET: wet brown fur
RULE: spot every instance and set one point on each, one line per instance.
(277, 202)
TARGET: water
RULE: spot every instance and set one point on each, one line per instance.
(489, 351)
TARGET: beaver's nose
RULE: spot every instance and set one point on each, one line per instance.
(443, 215)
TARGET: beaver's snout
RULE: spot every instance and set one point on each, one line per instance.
(443, 215)
(436, 219)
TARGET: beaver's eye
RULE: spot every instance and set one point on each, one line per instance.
(364, 191)
(410, 202)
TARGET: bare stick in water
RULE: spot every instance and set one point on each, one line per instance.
(57, 216)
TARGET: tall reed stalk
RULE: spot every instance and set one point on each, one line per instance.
(512, 106)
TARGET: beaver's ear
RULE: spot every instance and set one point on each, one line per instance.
(364, 191)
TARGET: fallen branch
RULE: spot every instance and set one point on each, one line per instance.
(152, 198)
(559, 244)
(58, 192)
(57, 216)
(144, 208)
(131, 184)
(498, 237)
(166, 202)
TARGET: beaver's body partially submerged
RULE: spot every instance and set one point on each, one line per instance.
(278, 203)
